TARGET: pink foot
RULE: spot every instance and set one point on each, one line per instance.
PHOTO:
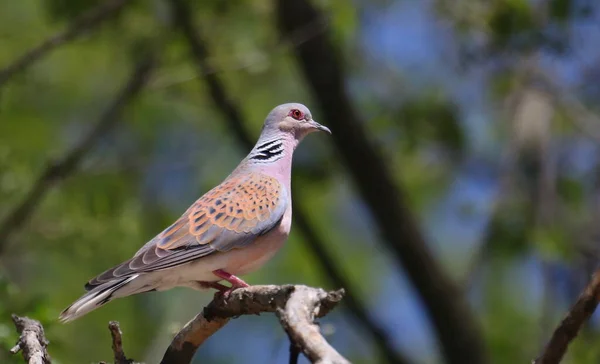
(235, 282)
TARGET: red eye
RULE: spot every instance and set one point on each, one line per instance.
(296, 114)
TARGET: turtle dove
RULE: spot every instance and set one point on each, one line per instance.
(230, 231)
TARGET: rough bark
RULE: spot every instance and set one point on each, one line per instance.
(32, 341)
(296, 307)
(117, 343)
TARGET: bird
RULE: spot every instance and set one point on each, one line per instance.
(232, 230)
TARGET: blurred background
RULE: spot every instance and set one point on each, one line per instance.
(457, 200)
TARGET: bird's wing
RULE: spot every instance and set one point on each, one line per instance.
(229, 216)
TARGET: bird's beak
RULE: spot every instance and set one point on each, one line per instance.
(320, 127)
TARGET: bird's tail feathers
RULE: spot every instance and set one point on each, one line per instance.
(98, 297)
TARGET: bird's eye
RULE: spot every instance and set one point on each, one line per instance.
(296, 114)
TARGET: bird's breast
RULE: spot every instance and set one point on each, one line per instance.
(256, 254)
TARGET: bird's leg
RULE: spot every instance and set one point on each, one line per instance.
(216, 285)
(235, 281)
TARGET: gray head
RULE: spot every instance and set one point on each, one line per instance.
(284, 128)
(292, 118)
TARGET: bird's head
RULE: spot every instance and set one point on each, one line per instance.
(292, 118)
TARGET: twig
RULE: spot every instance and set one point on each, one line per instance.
(303, 35)
(234, 119)
(32, 341)
(569, 327)
(297, 318)
(85, 21)
(117, 343)
(71, 160)
(294, 353)
(319, 61)
(582, 118)
(295, 306)
(334, 273)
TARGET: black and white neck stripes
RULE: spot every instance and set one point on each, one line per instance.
(269, 151)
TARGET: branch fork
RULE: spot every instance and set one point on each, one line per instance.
(296, 308)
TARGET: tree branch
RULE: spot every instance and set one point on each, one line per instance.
(569, 327)
(295, 306)
(234, 119)
(294, 354)
(456, 328)
(56, 171)
(582, 118)
(117, 343)
(32, 341)
(85, 21)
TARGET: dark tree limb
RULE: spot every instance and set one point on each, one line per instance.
(309, 31)
(82, 23)
(32, 341)
(334, 273)
(296, 307)
(569, 327)
(56, 171)
(117, 343)
(183, 20)
(294, 353)
(233, 118)
(455, 326)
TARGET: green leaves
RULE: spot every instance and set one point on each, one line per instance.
(509, 19)
(431, 118)
(59, 10)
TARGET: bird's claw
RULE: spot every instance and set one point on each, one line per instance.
(235, 284)
(226, 293)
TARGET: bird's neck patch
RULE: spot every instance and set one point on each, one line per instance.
(269, 151)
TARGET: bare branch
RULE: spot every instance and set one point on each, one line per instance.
(117, 343)
(582, 118)
(303, 35)
(85, 21)
(295, 306)
(294, 353)
(569, 327)
(32, 341)
(297, 318)
(333, 272)
(183, 20)
(56, 171)
(234, 119)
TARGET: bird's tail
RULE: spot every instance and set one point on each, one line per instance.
(98, 297)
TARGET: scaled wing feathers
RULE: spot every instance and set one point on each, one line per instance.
(229, 216)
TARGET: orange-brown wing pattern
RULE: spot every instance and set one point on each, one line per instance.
(245, 205)
(230, 215)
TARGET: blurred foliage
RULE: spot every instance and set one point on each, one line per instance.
(508, 18)
(67, 9)
(431, 119)
(445, 130)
